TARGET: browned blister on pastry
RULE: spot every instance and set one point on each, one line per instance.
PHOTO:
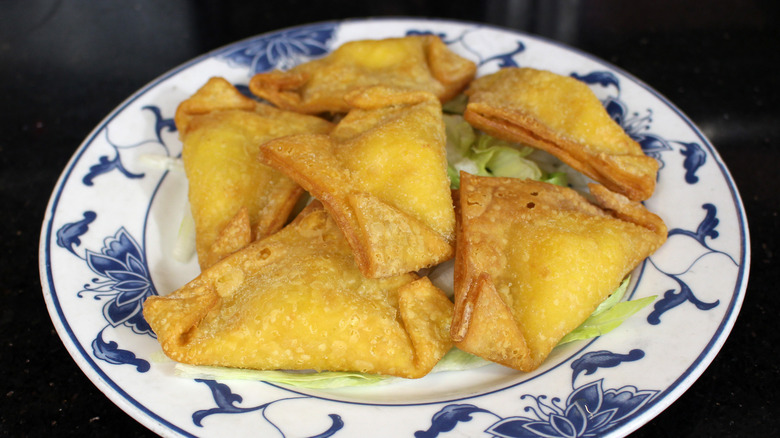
(562, 116)
(534, 260)
(382, 174)
(295, 300)
(234, 198)
(421, 63)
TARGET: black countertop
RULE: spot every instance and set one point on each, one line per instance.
(66, 65)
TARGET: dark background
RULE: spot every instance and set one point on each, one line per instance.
(64, 65)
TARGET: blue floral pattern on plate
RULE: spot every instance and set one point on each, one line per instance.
(282, 50)
(102, 247)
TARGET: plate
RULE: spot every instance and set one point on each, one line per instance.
(112, 220)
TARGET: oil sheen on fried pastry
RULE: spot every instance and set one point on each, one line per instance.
(422, 63)
(534, 260)
(296, 301)
(382, 174)
(562, 116)
(233, 197)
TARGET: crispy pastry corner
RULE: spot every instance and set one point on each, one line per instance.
(534, 260)
(296, 301)
(414, 63)
(562, 116)
(382, 174)
(233, 197)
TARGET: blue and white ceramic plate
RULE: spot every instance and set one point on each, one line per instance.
(108, 234)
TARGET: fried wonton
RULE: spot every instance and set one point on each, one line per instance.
(411, 63)
(562, 116)
(534, 260)
(382, 174)
(296, 301)
(234, 198)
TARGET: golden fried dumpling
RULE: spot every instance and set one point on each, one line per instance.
(534, 260)
(382, 174)
(295, 300)
(562, 116)
(234, 198)
(410, 63)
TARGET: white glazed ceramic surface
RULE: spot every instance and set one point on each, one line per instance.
(110, 226)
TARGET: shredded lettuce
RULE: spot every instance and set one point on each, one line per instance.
(505, 161)
(608, 315)
(481, 154)
(456, 105)
(460, 137)
(162, 162)
(454, 176)
(458, 360)
(312, 380)
(557, 178)
(454, 360)
(184, 247)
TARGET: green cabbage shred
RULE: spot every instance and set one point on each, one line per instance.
(480, 154)
(608, 315)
